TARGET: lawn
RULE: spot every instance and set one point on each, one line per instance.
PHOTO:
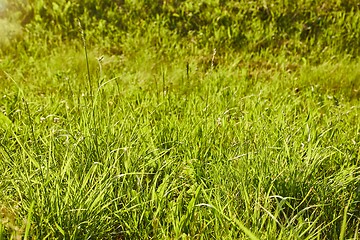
(179, 120)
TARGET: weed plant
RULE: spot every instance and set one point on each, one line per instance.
(153, 134)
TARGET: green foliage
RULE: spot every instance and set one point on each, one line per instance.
(154, 134)
(306, 28)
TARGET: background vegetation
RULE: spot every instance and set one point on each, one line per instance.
(180, 120)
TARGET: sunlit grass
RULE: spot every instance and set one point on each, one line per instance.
(176, 142)
(213, 154)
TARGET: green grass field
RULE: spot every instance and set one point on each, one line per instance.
(179, 120)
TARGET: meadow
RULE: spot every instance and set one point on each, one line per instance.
(176, 119)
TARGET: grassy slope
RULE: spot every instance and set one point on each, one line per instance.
(166, 146)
